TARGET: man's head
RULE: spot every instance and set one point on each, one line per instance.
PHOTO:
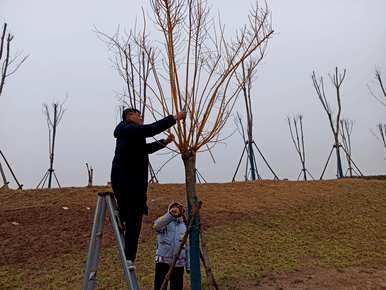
(132, 115)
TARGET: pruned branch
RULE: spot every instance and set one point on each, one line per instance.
(131, 59)
(337, 80)
(381, 134)
(53, 116)
(296, 131)
(346, 131)
(381, 95)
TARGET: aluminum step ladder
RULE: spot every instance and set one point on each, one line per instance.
(107, 201)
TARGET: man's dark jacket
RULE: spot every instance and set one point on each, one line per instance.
(129, 173)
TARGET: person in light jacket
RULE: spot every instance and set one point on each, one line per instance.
(170, 230)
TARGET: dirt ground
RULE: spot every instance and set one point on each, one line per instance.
(37, 226)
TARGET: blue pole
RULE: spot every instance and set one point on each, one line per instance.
(194, 243)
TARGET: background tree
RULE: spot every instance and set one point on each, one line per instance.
(298, 141)
(345, 132)
(334, 118)
(193, 69)
(381, 136)
(131, 61)
(381, 94)
(9, 64)
(53, 120)
(246, 79)
(90, 175)
(381, 97)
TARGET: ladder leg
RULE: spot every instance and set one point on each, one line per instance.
(95, 245)
(128, 267)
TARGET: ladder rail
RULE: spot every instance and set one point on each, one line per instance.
(106, 203)
(128, 267)
(95, 245)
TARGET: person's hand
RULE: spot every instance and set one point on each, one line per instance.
(180, 116)
(170, 138)
(174, 211)
(181, 209)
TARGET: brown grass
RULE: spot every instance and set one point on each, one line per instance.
(260, 235)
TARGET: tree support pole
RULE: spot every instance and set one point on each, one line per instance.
(266, 162)
(353, 163)
(19, 185)
(238, 165)
(328, 160)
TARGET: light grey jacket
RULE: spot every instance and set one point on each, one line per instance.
(170, 231)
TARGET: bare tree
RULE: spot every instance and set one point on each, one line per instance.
(90, 175)
(298, 141)
(245, 79)
(53, 120)
(9, 64)
(381, 94)
(132, 62)
(381, 136)
(345, 132)
(193, 68)
(334, 118)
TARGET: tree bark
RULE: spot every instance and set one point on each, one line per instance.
(189, 160)
(251, 159)
(51, 169)
(304, 170)
(338, 158)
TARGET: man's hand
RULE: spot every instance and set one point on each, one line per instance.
(170, 138)
(180, 116)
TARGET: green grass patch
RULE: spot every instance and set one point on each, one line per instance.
(338, 231)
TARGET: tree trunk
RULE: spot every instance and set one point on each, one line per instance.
(90, 177)
(338, 159)
(251, 159)
(304, 170)
(189, 159)
(51, 169)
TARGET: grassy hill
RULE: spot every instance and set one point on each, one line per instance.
(260, 235)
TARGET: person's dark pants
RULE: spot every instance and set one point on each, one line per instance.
(176, 279)
(131, 211)
(133, 225)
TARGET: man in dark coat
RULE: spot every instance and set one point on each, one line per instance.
(129, 173)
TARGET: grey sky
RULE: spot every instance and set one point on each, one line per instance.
(67, 57)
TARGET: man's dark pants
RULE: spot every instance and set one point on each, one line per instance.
(133, 225)
(131, 214)
(176, 279)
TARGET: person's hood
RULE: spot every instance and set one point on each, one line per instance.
(173, 203)
(118, 128)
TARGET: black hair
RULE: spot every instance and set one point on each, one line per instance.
(129, 110)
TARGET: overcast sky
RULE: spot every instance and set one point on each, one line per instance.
(66, 57)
